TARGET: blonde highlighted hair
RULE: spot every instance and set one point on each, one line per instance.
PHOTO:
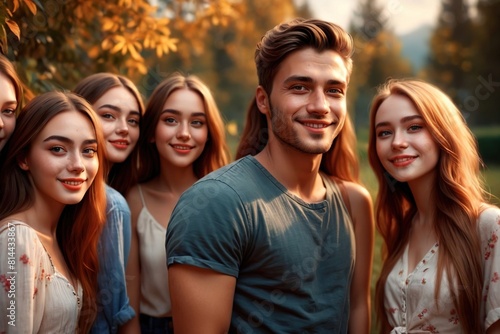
(458, 193)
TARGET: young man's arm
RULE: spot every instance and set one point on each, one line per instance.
(202, 299)
(363, 223)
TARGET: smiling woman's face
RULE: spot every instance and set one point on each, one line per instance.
(8, 104)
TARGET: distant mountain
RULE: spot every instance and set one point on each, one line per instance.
(415, 46)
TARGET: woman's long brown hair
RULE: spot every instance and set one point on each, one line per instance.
(79, 225)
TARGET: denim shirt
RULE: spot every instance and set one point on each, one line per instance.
(113, 308)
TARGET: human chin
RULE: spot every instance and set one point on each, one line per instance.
(116, 156)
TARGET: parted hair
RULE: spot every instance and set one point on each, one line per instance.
(341, 160)
(80, 224)
(458, 195)
(121, 176)
(214, 155)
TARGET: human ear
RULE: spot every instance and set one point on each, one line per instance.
(23, 164)
(262, 100)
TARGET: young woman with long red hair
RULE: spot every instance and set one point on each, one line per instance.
(442, 258)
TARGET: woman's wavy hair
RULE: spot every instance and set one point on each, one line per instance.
(216, 152)
(341, 160)
(80, 224)
(458, 194)
(122, 176)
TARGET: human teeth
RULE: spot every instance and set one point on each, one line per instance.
(314, 125)
(181, 147)
(72, 183)
(402, 159)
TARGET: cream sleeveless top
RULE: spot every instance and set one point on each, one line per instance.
(155, 296)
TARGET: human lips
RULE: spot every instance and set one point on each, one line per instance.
(181, 148)
(73, 183)
(315, 124)
(120, 144)
(402, 160)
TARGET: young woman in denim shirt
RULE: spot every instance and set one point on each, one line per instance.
(119, 105)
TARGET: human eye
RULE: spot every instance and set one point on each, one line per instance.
(198, 123)
(90, 152)
(335, 91)
(383, 133)
(298, 88)
(108, 116)
(415, 127)
(58, 150)
(170, 120)
(133, 122)
(9, 111)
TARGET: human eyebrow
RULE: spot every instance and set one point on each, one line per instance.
(410, 118)
(177, 112)
(295, 78)
(199, 114)
(110, 106)
(381, 124)
(68, 141)
(403, 120)
(302, 78)
(135, 112)
(171, 111)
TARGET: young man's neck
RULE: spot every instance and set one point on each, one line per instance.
(296, 171)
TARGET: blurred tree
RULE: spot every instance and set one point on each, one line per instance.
(483, 102)
(56, 42)
(377, 57)
(224, 58)
(449, 64)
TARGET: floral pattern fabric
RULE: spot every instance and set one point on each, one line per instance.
(409, 297)
(34, 296)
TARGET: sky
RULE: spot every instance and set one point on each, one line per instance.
(403, 15)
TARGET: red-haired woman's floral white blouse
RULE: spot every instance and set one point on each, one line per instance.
(34, 296)
(409, 297)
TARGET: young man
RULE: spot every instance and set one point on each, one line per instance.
(266, 244)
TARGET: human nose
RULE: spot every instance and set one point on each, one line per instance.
(183, 132)
(399, 141)
(318, 103)
(1, 122)
(122, 126)
(75, 163)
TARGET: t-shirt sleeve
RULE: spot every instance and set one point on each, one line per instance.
(208, 228)
(22, 277)
(489, 224)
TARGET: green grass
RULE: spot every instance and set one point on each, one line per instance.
(492, 180)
